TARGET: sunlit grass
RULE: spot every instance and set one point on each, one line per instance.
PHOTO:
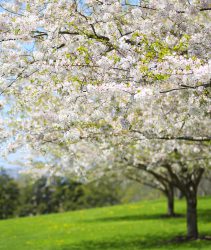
(128, 227)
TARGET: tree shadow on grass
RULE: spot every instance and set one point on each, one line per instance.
(135, 244)
(147, 242)
(204, 215)
(110, 245)
(137, 217)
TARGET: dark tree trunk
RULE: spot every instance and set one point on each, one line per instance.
(170, 203)
(192, 225)
(188, 184)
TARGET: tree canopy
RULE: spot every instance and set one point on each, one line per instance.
(109, 82)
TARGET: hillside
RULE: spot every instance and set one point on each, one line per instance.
(126, 227)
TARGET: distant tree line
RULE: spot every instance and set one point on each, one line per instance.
(20, 198)
(28, 197)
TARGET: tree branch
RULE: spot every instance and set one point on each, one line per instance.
(206, 85)
(168, 138)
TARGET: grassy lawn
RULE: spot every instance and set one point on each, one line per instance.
(126, 227)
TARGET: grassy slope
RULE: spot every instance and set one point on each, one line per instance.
(127, 227)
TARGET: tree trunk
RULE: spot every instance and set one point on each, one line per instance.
(192, 224)
(170, 198)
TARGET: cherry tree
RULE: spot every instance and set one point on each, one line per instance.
(179, 165)
(158, 180)
(106, 76)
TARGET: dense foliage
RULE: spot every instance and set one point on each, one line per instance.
(26, 197)
(9, 193)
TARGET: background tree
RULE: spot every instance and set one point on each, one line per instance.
(9, 195)
(61, 194)
(157, 180)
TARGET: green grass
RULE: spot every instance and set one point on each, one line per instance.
(126, 227)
